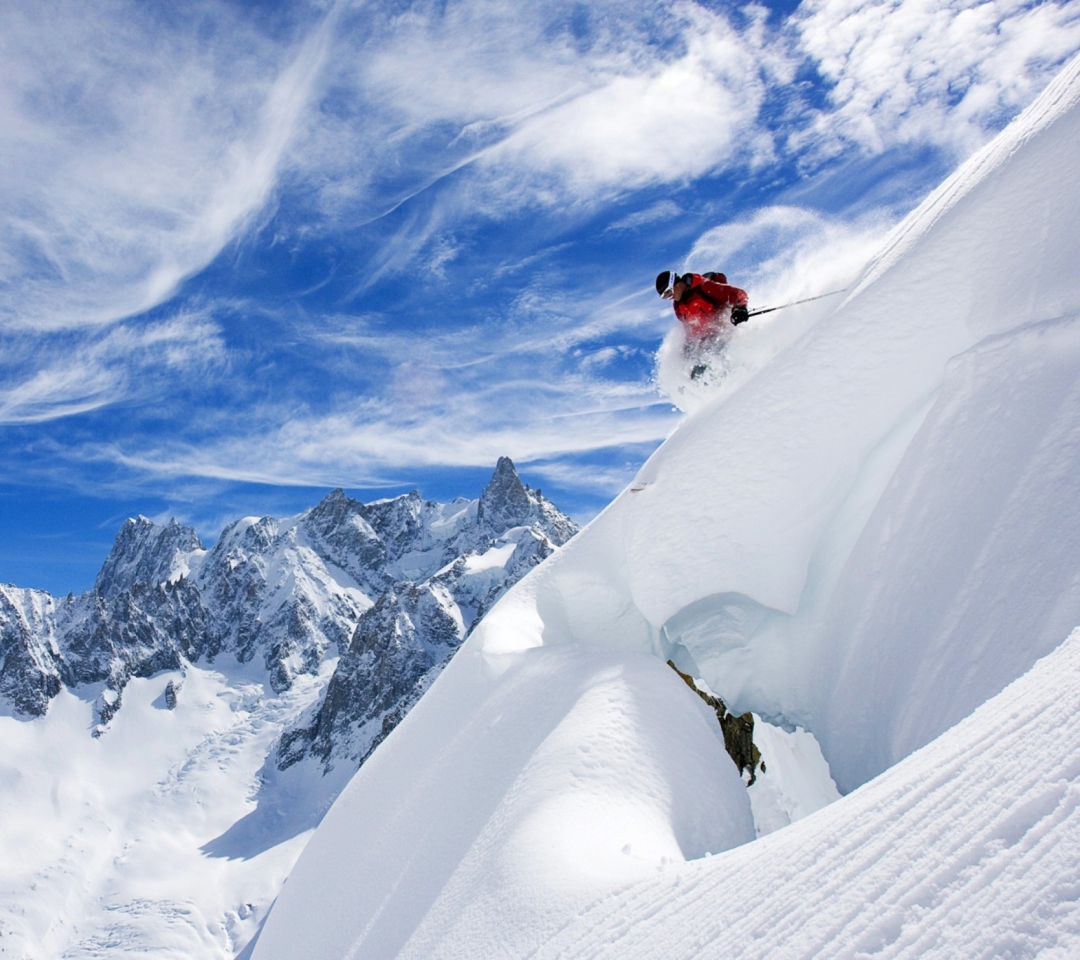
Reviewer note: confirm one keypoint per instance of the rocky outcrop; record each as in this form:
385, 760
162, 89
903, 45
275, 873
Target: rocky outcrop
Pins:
172, 694
738, 730
504, 503
340, 532
29, 659
145, 552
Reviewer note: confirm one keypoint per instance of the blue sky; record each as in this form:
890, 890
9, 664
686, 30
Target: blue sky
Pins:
250, 252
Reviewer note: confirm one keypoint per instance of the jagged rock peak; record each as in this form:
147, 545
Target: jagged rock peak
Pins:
144, 552
333, 511
505, 502
334, 502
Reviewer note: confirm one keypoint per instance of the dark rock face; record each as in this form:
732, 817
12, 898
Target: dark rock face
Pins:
738, 730
394, 586
29, 659
396, 645
172, 695
398, 524
144, 553
378, 671
340, 532
142, 631
504, 502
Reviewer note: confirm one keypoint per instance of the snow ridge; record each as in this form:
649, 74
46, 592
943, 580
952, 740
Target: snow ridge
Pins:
869, 537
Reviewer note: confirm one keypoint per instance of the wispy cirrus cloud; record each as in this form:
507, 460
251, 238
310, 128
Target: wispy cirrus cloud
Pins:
559, 102
784, 253
541, 103
559, 378
134, 143
657, 118
62, 374
381, 141
349, 449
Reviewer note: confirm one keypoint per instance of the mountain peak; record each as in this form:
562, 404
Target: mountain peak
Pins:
144, 552
505, 503
334, 507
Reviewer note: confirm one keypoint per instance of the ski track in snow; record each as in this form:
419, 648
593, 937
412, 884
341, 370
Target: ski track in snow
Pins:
968, 848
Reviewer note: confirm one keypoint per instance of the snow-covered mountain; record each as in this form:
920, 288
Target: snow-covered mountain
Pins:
200, 709
868, 535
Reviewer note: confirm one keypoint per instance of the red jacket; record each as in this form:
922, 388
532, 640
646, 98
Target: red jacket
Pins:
706, 305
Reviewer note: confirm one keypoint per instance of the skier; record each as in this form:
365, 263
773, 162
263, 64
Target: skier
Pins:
702, 302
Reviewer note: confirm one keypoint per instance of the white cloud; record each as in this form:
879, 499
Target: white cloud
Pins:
659, 121
780, 254
132, 148
354, 448
660, 212
52, 377
130, 155
463, 397
660, 92
946, 72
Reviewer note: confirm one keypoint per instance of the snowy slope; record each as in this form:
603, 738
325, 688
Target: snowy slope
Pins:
870, 535
108, 841
147, 805
968, 848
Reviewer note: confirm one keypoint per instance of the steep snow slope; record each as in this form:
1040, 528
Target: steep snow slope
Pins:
870, 536
968, 848
578, 773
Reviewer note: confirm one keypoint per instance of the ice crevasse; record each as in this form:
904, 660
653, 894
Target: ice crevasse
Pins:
871, 538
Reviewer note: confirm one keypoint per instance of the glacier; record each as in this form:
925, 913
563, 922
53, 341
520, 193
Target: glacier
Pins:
869, 533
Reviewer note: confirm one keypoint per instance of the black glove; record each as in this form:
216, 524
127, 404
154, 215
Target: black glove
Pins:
739, 315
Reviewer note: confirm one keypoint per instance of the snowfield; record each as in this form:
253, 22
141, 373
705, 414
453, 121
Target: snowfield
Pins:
871, 534
113, 837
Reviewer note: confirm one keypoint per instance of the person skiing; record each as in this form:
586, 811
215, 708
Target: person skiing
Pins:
702, 302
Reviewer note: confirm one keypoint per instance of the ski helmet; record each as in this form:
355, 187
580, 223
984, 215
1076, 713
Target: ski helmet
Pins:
663, 282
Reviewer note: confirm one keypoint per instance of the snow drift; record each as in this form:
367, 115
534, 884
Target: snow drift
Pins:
870, 537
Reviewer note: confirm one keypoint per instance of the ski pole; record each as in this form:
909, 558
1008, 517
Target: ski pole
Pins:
758, 313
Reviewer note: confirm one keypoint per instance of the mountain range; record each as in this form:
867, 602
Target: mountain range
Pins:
229, 692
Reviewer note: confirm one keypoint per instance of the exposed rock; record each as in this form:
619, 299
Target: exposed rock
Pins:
145, 553
738, 730
172, 693
394, 586
339, 532
105, 708
504, 502
29, 658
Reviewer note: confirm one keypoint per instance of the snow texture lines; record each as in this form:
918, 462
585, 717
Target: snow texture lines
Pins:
969, 847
